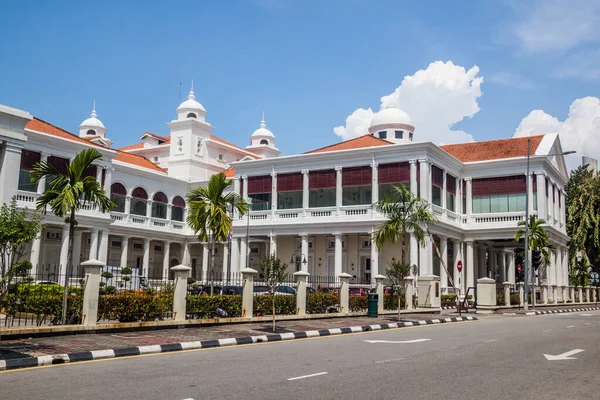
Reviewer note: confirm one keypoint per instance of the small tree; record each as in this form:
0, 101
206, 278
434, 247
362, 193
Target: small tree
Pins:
397, 273
274, 274
17, 229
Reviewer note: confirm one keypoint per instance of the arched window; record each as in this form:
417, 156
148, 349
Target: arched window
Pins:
177, 209
91, 132
139, 199
264, 141
118, 194
191, 115
159, 205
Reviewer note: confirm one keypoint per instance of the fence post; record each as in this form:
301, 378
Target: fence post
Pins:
91, 292
579, 294
248, 292
572, 293
506, 293
181, 274
486, 292
428, 291
594, 294
379, 290
554, 299
408, 296
563, 293
545, 294
587, 294
301, 277
345, 293
521, 293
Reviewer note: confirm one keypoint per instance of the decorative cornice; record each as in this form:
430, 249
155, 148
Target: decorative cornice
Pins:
305, 171
338, 168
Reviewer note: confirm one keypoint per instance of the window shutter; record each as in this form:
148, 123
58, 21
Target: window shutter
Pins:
29, 159
139, 193
437, 176
61, 164
117, 188
179, 202
90, 171
451, 184
393, 173
497, 186
289, 182
321, 179
259, 184
356, 176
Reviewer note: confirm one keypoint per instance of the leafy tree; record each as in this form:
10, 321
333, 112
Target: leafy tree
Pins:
579, 272
396, 274
273, 271
209, 211
67, 193
538, 238
405, 213
17, 230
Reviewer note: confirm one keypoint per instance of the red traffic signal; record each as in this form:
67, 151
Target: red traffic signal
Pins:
518, 268
459, 266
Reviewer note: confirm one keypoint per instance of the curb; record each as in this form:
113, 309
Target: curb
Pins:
568, 310
205, 344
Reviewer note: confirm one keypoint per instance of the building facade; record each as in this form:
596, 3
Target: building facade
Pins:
315, 207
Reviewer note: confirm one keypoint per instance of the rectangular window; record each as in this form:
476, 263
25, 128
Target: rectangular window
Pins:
357, 185
383, 135
450, 201
321, 198
390, 175
287, 200
177, 213
356, 195
259, 191
388, 190
61, 165
321, 186
28, 161
260, 201
437, 185
398, 134
436, 195
450, 192
119, 202
289, 191
498, 195
159, 210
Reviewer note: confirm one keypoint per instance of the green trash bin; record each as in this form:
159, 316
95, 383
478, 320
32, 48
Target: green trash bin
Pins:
373, 301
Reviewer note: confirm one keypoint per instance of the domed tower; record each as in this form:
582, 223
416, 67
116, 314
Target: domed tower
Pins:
93, 129
191, 108
392, 124
262, 142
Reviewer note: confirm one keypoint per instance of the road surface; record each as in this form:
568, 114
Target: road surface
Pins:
498, 357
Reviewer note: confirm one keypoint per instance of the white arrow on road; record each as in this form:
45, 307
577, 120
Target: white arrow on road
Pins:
563, 356
397, 341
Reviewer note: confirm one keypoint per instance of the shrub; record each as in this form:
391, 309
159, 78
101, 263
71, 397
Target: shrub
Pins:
499, 299
126, 271
514, 300
284, 305
320, 303
390, 302
358, 303
130, 306
203, 306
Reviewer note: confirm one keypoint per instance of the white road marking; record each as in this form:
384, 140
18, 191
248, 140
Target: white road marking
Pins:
547, 330
397, 341
586, 315
564, 356
571, 326
189, 398
388, 361
492, 340
307, 376
588, 323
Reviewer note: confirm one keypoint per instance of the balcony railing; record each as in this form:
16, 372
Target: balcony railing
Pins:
356, 210
499, 217
26, 199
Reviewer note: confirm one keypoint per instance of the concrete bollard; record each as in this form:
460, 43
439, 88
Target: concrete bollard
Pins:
554, 299
486, 292
564, 293
379, 290
507, 286
429, 291
408, 295
579, 294
572, 294
248, 292
544, 294
91, 292
595, 294
345, 292
181, 273
587, 294
521, 286
301, 277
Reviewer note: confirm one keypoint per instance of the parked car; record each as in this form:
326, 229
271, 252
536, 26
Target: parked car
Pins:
359, 291
229, 290
310, 290
281, 290
330, 290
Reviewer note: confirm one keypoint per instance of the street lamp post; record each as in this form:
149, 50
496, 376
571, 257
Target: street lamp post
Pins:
248, 233
298, 259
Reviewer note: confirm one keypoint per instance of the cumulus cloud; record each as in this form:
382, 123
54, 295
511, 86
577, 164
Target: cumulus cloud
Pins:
558, 24
435, 98
579, 132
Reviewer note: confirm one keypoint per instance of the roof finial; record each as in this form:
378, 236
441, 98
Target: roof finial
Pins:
191, 95
262, 122
94, 115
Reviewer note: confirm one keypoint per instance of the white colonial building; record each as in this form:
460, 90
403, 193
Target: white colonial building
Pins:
317, 206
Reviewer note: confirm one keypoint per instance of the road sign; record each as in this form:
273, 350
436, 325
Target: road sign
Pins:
595, 277
459, 266
518, 268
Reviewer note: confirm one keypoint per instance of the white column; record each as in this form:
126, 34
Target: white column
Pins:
149, 209
470, 267
273, 193
146, 259
124, 251
414, 251
10, 160
338, 255
76, 250
482, 267
374, 188
469, 201
541, 194
64, 253
503, 264
375, 259
444, 260
305, 190
511, 268
166, 259
243, 254
236, 190
456, 257
34, 257
42, 182
93, 244
304, 250
99, 174
549, 205
338, 188
530, 180
225, 247
169, 212
561, 276
103, 251
108, 180
413, 178
127, 205
425, 179
273, 245
493, 268
444, 191
245, 188
556, 210
425, 266
205, 256
459, 196
563, 214
235, 255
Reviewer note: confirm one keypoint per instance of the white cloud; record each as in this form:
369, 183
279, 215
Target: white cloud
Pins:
510, 79
435, 98
558, 24
579, 132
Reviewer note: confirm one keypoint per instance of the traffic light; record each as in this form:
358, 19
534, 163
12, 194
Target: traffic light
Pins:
536, 259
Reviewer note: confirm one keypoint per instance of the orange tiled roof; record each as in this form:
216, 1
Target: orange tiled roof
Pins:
229, 172
138, 160
42, 126
356, 143
493, 149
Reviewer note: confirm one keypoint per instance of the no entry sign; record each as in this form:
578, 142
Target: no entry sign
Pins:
459, 266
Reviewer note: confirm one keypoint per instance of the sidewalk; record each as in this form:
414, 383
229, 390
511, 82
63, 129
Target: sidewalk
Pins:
36, 347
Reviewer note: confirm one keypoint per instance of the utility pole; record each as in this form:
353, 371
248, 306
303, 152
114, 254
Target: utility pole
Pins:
526, 255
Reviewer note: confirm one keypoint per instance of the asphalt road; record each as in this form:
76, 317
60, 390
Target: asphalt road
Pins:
498, 357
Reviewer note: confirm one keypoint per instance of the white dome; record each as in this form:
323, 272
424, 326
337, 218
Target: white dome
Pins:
391, 115
262, 131
191, 104
92, 122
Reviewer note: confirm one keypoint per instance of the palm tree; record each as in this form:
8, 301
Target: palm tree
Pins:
405, 213
538, 238
66, 193
210, 208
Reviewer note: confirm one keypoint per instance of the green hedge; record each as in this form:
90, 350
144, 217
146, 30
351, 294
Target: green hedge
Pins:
358, 303
321, 303
390, 302
205, 306
284, 305
131, 306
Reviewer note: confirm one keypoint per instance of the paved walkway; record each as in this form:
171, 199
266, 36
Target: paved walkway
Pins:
35, 347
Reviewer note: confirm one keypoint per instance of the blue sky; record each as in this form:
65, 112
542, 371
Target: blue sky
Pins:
308, 65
